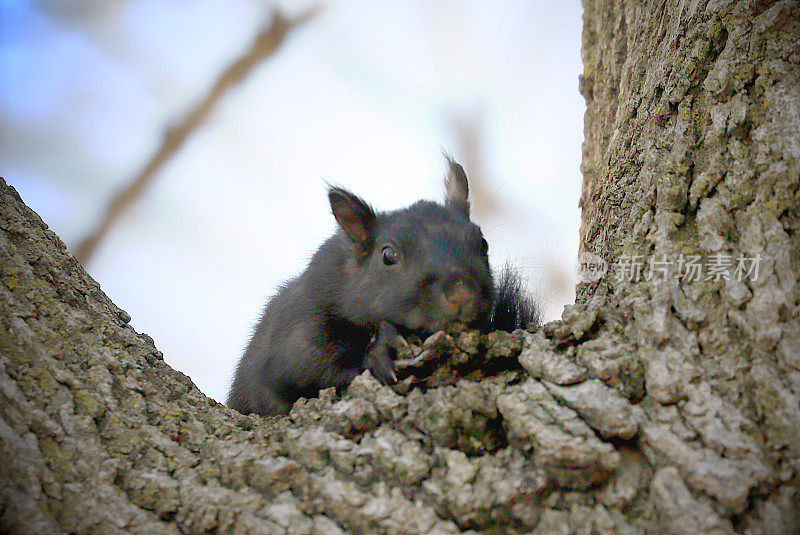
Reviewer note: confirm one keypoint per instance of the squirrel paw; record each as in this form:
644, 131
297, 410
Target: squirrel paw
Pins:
381, 367
378, 359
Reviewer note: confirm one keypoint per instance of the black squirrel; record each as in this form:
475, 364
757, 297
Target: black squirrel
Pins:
418, 269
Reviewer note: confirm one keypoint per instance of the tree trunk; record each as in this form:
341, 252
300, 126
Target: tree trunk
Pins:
666, 400
691, 150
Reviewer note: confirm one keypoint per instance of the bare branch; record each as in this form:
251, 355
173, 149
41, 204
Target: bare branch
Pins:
266, 43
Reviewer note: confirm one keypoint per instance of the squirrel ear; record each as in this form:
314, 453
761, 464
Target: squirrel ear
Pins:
456, 186
354, 215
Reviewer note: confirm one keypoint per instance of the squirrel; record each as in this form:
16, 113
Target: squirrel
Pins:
417, 269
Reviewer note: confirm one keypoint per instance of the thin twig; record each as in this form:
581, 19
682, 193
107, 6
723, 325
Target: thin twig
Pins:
265, 45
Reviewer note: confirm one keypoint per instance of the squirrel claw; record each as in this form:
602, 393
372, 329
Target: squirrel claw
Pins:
381, 367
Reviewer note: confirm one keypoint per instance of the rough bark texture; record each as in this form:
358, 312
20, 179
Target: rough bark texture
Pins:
693, 147
656, 406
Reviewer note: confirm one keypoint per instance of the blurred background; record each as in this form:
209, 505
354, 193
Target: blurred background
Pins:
217, 145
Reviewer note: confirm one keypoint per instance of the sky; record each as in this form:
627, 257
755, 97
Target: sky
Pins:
366, 95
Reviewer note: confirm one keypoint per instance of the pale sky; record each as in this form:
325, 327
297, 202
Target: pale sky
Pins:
366, 96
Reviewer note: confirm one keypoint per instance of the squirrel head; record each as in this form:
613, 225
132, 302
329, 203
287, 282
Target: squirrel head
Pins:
423, 267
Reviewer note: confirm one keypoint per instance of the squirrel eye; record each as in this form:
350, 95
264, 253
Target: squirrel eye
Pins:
389, 256
484, 246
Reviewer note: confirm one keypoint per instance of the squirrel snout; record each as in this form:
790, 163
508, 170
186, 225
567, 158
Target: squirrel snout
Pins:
462, 299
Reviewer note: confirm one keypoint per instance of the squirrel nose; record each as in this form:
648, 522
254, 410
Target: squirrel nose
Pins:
461, 296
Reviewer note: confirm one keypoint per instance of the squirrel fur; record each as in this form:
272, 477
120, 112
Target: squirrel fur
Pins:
416, 269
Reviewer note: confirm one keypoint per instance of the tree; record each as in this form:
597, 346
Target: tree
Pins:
665, 400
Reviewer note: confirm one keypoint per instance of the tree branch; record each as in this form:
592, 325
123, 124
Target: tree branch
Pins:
266, 43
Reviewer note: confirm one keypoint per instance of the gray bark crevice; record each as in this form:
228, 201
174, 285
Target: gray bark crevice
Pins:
653, 406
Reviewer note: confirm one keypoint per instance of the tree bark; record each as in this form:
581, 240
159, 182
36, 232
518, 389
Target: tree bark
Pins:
657, 404
692, 149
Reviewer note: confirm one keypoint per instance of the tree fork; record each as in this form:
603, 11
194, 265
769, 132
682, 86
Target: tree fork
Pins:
657, 404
